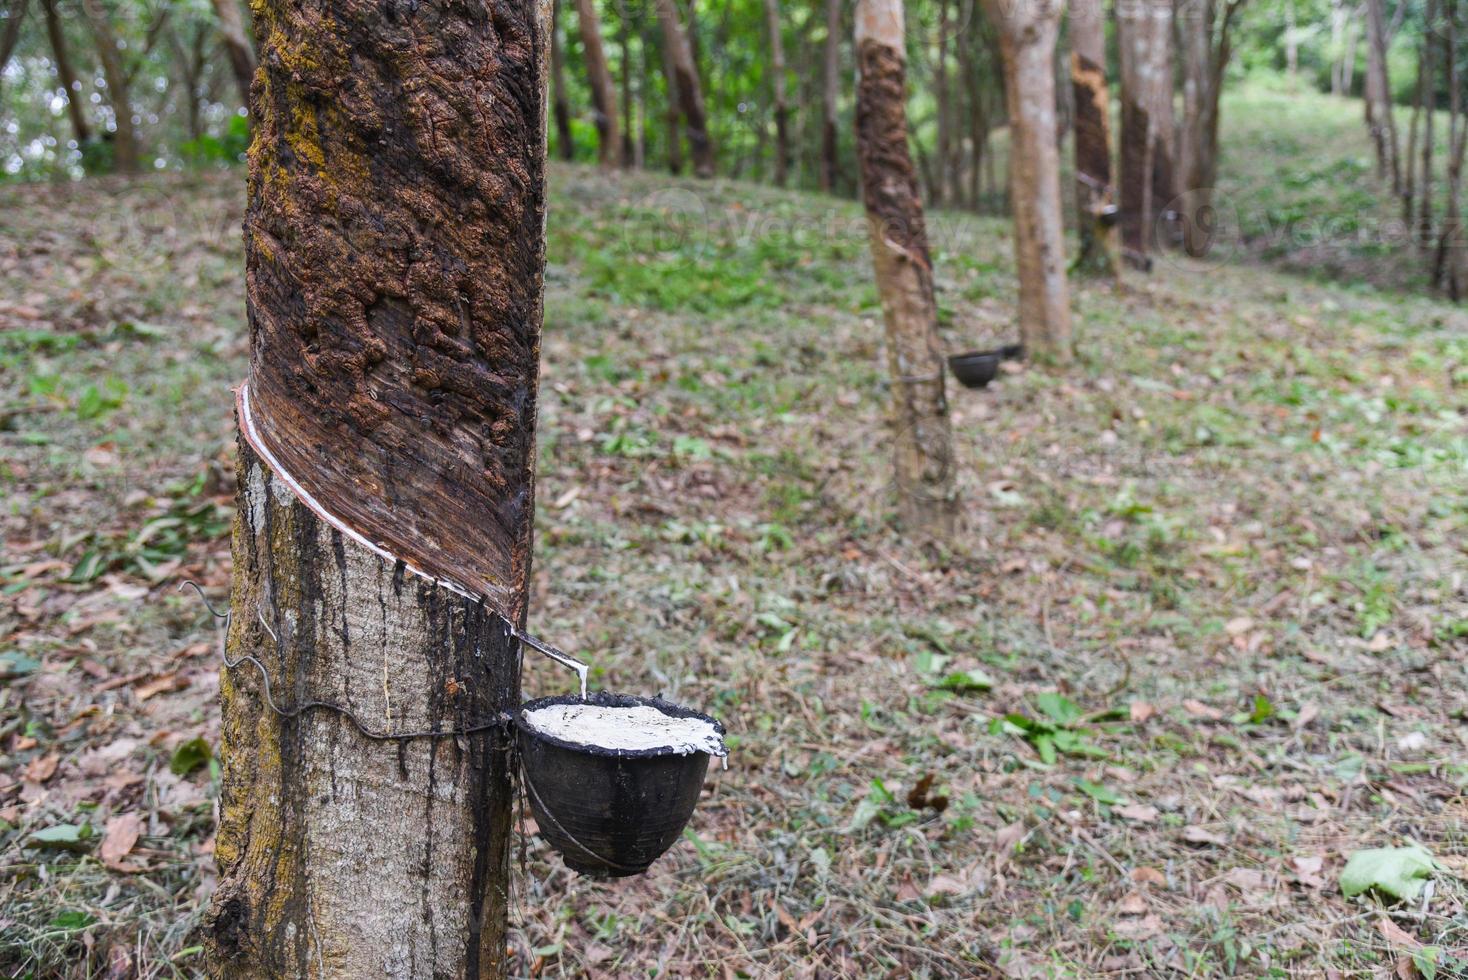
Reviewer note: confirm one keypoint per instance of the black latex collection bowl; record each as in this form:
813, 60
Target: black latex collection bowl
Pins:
609, 812
977, 368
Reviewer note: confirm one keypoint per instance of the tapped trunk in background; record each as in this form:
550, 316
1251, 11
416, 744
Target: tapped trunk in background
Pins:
124, 137
603, 98
394, 252
1027, 35
1147, 183
690, 90
237, 46
1095, 196
831, 87
1379, 97
904, 271
777, 71
1207, 45
561, 106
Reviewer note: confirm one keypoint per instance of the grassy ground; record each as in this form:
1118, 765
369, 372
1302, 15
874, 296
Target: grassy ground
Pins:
1202, 636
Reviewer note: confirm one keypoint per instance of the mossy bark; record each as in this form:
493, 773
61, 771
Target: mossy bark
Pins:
394, 259
904, 273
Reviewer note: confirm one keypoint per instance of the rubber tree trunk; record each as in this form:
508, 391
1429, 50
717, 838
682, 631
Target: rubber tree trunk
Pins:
1379, 97
124, 137
1205, 31
940, 190
1100, 250
64, 73
560, 103
237, 46
394, 249
1451, 273
629, 124
671, 115
927, 504
1027, 34
1144, 32
1429, 110
830, 92
599, 75
690, 90
782, 109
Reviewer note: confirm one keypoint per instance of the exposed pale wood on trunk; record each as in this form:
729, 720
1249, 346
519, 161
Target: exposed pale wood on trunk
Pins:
599, 76
777, 74
1100, 248
124, 137
904, 273
690, 90
394, 255
237, 46
64, 73
1027, 35
830, 90
1147, 183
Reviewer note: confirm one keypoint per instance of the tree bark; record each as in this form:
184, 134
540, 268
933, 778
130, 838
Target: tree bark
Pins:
125, 157
1429, 107
1027, 35
1451, 273
1095, 198
1148, 183
64, 73
831, 87
782, 110
671, 116
904, 273
394, 243
690, 91
942, 100
629, 126
1379, 97
237, 46
1207, 42
560, 103
603, 98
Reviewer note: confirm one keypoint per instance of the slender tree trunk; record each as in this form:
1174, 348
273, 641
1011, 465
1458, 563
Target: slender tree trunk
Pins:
560, 104
10, 33
974, 104
831, 87
1429, 107
782, 110
124, 142
942, 99
237, 46
624, 41
904, 272
394, 255
1027, 34
64, 73
1379, 97
1452, 265
690, 91
671, 115
603, 99
1409, 173
1095, 197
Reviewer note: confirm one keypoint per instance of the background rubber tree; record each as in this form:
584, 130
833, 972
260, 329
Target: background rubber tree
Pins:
394, 243
1205, 30
237, 45
1147, 181
1100, 250
927, 502
1027, 33
599, 76
690, 90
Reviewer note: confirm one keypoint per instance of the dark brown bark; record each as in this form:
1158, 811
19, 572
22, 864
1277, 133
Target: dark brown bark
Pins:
941, 189
603, 99
1207, 43
560, 104
1451, 273
904, 272
830, 89
189, 60
690, 90
1429, 107
124, 137
10, 34
1095, 197
237, 46
1147, 181
1379, 97
64, 73
777, 74
670, 113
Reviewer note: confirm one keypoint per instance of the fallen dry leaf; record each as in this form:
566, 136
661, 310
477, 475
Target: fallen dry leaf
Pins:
1198, 709
1133, 903
1396, 935
1149, 876
1138, 929
1142, 710
1198, 835
159, 685
1137, 812
41, 768
1308, 712
117, 842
